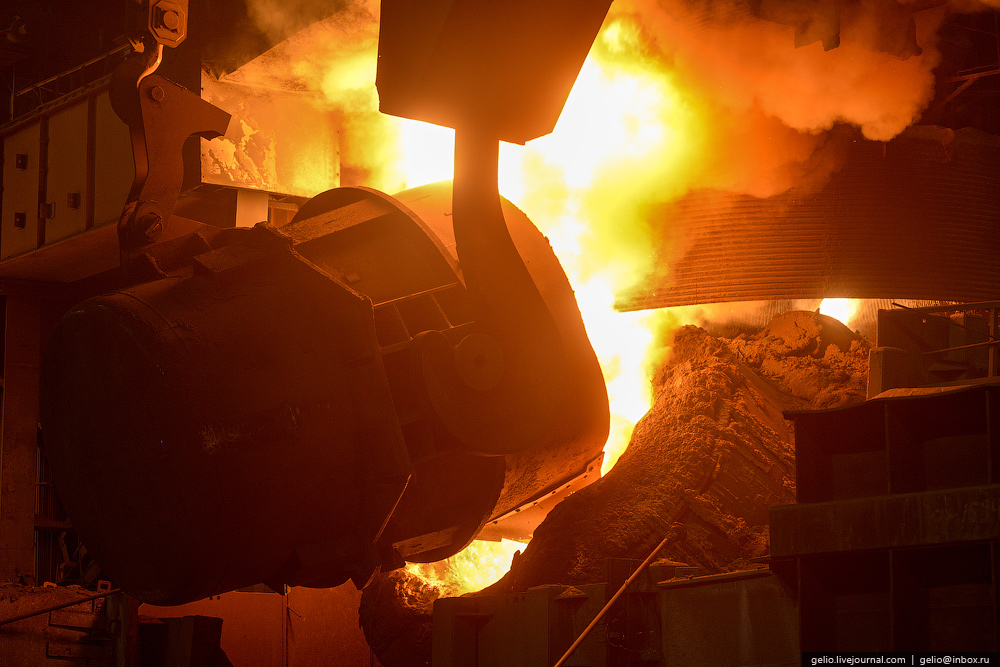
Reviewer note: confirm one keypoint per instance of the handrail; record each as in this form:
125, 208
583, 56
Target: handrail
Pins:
56, 97
56, 607
104, 56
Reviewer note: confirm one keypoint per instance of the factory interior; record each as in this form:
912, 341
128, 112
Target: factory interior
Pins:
596, 333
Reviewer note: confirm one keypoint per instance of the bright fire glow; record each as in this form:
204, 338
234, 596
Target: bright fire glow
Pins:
426, 152
472, 569
625, 135
844, 310
627, 140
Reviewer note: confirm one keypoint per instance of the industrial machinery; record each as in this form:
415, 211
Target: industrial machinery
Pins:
368, 384
891, 545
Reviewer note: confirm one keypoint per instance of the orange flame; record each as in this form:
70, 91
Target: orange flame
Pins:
626, 140
472, 569
625, 133
632, 137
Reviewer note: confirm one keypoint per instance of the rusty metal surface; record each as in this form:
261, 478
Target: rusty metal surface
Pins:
914, 218
166, 21
367, 240
893, 544
260, 630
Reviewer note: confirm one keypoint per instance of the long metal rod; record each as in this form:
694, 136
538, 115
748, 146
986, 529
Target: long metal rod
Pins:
56, 607
671, 536
42, 84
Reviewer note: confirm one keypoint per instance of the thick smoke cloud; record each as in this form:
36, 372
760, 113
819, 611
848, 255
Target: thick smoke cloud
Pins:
878, 73
771, 77
775, 76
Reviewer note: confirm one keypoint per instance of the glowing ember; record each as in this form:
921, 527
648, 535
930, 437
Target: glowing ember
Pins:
472, 569
844, 310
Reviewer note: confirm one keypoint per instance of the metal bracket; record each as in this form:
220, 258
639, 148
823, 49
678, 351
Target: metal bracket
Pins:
161, 115
166, 21
161, 21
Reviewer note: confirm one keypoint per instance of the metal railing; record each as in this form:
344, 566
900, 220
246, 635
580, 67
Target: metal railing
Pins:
51, 90
61, 605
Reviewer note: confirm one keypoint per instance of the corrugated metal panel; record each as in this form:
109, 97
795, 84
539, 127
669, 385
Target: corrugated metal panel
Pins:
913, 219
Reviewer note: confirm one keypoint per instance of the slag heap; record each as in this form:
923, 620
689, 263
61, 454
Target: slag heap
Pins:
714, 454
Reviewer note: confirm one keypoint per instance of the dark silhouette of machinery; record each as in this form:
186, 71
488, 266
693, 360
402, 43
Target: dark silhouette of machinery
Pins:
369, 384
